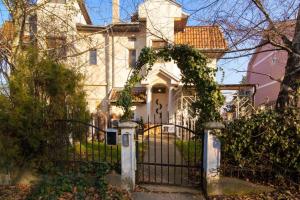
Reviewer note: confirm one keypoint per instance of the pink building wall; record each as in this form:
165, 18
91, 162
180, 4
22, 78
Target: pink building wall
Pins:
271, 63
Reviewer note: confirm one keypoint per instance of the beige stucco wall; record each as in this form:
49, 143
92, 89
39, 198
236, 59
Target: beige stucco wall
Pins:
160, 16
112, 68
95, 76
122, 45
140, 112
58, 19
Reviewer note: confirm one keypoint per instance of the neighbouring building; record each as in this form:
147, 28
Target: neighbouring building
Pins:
106, 54
269, 62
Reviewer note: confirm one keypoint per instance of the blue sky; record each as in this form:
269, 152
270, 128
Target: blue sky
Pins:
100, 12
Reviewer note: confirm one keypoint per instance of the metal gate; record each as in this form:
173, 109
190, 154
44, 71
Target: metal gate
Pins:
169, 153
77, 143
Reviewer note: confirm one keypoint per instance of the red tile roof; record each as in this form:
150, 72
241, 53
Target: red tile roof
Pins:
202, 37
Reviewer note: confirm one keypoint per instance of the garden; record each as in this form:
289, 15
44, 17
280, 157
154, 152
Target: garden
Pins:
42, 91
263, 148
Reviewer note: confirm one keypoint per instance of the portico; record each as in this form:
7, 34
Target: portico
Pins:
160, 102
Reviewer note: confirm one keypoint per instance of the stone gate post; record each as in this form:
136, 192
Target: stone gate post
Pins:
212, 152
128, 154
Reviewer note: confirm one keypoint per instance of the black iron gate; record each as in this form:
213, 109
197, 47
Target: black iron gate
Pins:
170, 153
77, 142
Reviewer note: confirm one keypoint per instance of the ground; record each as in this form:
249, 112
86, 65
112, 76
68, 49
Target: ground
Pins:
158, 192
20, 192
164, 196
160, 150
165, 161
228, 189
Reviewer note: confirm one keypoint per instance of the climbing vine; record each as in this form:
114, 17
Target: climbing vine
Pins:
195, 74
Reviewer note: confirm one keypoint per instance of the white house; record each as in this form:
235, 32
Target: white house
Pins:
106, 54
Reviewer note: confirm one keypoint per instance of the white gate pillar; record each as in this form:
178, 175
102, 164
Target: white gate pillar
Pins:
128, 154
212, 152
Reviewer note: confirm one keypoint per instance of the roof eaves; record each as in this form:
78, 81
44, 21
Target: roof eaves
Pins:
85, 27
169, 74
175, 2
84, 12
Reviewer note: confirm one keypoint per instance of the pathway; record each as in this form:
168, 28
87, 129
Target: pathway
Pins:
163, 152
155, 192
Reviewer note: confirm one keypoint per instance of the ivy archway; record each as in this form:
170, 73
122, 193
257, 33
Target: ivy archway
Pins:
195, 73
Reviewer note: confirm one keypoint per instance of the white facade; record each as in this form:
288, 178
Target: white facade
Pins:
155, 21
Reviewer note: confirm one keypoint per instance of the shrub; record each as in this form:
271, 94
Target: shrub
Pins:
40, 91
270, 139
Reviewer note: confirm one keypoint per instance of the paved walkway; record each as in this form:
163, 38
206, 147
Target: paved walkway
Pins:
162, 151
154, 192
164, 196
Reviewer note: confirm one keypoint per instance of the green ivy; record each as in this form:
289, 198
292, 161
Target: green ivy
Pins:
84, 183
195, 73
270, 140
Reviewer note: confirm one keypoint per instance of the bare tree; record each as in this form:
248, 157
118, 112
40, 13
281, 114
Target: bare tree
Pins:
251, 24
244, 22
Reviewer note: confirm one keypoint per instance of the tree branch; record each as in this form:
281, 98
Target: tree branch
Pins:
260, 6
259, 73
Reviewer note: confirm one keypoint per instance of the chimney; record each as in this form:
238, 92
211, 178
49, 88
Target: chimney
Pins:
115, 11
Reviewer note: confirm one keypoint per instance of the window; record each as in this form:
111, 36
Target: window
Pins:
57, 47
93, 57
159, 90
132, 39
274, 60
132, 58
31, 25
58, 1
159, 44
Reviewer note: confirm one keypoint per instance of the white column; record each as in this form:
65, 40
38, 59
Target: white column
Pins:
212, 152
170, 102
149, 100
128, 155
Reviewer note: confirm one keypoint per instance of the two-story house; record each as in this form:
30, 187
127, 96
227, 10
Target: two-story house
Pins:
106, 54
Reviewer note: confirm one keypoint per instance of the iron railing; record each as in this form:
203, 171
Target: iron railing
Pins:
76, 142
169, 157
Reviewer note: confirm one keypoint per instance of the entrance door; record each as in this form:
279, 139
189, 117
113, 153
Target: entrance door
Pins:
160, 107
159, 104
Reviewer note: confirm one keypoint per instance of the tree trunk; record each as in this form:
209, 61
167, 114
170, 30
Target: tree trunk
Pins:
289, 90
290, 86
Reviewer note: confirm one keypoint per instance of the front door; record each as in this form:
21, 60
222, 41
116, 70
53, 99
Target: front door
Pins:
160, 107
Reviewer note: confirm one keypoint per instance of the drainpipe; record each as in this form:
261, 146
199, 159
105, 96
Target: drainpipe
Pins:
108, 73
107, 63
113, 59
